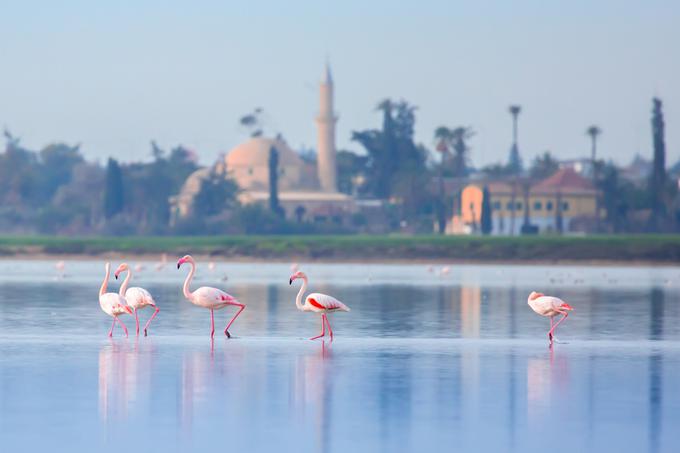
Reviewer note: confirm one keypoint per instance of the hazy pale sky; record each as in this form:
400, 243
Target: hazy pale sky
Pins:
115, 76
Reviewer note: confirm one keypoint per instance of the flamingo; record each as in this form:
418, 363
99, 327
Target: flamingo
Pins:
113, 304
211, 266
207, 297
136, 297
549, 306
318, 303
60, 266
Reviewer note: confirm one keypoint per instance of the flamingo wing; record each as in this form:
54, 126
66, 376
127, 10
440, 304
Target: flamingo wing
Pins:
138, 297
546, 305
209, 297
113, 304
325, 302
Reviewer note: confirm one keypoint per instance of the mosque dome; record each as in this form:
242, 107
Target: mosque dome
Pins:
183, 201
248, 164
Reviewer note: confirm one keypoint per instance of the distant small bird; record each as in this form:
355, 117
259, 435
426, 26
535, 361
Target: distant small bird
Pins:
139, 267
211, 266
161, 264
294, 267
317, 303
136, 297
445, 271
60, 266
549, 306
113, 304
207, 297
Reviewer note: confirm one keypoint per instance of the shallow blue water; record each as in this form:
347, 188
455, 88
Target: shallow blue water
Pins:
422, 362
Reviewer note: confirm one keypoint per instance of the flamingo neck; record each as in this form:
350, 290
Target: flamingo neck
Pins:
187, 282
102, 289
298, 299
126, 282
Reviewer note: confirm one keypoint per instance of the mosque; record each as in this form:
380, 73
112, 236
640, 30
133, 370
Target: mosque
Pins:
306, 190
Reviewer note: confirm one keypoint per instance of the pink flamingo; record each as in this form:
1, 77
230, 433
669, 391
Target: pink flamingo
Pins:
113, 304
136, 297
207, 297
551, 307
318, 303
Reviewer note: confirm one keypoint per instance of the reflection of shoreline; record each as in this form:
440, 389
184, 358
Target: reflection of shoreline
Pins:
470, 311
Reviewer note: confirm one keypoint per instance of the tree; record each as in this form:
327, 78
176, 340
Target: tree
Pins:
58, 161
658, 180
351, 167
543, 166
397, 165
594, 132
615, 196
391, 150
496, 171
274, 182
515, 161
217, 194
113, 190
452, 144
486, 220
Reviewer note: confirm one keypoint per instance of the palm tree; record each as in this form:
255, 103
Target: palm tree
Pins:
515, 162
448, 140
442, 136
593, 131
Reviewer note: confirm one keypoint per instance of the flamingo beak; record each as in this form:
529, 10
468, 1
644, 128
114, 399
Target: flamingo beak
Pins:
290, 282
116, 275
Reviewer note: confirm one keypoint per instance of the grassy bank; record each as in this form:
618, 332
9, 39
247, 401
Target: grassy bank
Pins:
652, 248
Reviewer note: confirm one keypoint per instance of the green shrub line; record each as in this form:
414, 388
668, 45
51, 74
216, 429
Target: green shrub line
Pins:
656, 248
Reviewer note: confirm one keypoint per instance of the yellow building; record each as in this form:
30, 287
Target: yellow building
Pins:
565, 197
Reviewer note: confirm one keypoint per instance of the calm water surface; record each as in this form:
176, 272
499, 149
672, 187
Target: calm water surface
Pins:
422, 362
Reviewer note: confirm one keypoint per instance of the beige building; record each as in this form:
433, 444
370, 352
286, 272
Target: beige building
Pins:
307, 188
565, 197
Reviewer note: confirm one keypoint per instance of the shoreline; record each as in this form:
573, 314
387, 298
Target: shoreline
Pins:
631, 250
155, 257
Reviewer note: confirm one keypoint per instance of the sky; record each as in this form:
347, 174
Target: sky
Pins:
115, 76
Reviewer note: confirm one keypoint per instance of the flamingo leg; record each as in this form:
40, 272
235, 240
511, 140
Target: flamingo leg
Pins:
226, 329
212, 323
551, 334
137, 321
122, 325
330, 331
323, 328
112, 326
151, 318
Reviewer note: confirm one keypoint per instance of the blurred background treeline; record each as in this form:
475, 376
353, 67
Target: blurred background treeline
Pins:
397, 185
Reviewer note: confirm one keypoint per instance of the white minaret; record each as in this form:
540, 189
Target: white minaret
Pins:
325, 124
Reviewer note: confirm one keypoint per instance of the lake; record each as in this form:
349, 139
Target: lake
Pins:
425, 361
